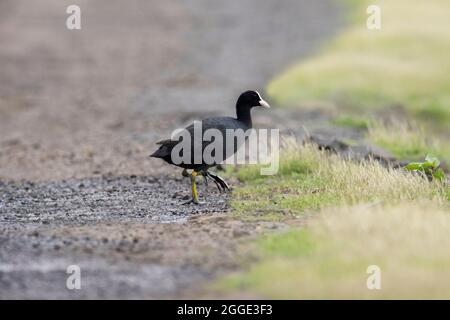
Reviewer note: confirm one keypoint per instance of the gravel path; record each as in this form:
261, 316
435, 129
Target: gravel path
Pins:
79, 113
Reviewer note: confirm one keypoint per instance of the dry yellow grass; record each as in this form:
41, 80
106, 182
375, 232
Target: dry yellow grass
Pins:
312, 179
385, 217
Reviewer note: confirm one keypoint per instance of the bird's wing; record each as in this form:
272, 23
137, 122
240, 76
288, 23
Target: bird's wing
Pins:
165, 141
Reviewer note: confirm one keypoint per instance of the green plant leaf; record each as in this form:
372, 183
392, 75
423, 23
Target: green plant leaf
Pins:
439, 174
433, 160
428, 165
412, 166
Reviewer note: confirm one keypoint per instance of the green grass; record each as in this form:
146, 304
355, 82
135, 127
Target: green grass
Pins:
405, 63
329, 259
360, 123
359, 214
408, 143
310, 179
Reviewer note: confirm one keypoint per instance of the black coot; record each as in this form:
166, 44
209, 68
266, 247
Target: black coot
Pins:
243, 120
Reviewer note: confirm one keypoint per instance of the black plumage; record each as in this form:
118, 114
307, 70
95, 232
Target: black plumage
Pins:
243, 121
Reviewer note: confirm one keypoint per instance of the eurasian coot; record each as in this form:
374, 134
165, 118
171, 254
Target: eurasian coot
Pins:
243, 121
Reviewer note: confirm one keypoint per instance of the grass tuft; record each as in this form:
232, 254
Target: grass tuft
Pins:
408, 142
351, 122
312, 179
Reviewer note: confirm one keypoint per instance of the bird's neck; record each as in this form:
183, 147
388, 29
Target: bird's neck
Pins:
244, 115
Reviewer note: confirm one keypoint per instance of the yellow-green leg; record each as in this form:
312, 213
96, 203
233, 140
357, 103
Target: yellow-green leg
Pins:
194, 189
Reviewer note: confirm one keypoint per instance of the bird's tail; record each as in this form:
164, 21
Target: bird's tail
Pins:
160, 153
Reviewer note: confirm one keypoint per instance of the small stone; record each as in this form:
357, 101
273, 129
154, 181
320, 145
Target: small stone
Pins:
237, 233
329, 143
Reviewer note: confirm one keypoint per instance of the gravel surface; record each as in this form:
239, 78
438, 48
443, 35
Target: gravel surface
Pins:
80, 112
141, 199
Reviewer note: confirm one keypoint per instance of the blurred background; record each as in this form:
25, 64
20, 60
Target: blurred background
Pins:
80, 111
77, 103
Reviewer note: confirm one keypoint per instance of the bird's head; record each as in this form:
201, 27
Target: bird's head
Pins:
252, 99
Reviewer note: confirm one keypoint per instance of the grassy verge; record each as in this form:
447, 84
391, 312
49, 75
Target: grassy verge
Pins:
390, 218
408, 142
329, 259
309, 179
405, 140
405, 63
